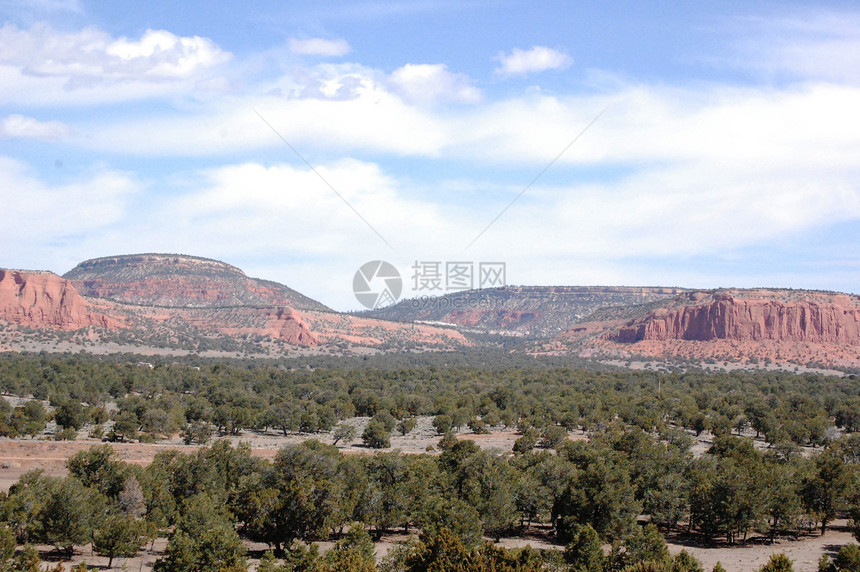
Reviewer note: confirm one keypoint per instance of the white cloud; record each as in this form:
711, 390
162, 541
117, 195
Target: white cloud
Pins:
288, 217
44, 219
667, 172
537, 59
433, 82
42, 65
810, 45
371, 121
20, 126
319, 47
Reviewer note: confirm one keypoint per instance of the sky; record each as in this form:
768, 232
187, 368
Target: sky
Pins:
691, 144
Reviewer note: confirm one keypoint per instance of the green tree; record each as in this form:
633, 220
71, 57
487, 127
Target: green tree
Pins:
197, 432
602, 496
848, 559
56, 511
823, 490
343, 432
777, 563
406, 425
528, 441
125, 425
30, 419
204, 539
119, 535
455, 516
99, 467
386, 503
552, 436
309, 489
646, 544
8, 544
376, 435
353, 552
442, 423
686, 562
584, 553
70, 415
442, 551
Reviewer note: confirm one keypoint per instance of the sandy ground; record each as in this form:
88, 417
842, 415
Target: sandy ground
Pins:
742, 558
18, 456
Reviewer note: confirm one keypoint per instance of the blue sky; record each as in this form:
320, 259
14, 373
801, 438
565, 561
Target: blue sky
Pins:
727, 152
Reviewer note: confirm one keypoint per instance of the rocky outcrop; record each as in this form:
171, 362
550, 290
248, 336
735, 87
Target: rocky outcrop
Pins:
742, 316
276, 323
180, 281
44, 300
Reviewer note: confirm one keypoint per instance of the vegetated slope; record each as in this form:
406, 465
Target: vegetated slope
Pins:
791, 325
45, 309
175, 280
527, 311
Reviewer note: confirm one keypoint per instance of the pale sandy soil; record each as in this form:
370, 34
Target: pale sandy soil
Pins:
805, 552
725, 366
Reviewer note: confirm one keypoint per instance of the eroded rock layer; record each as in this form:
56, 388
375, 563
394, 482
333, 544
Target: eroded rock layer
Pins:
44, 300
754, 315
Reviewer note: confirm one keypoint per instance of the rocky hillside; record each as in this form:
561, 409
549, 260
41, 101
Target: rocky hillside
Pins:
526, 311
187, 304
180, 281
795, 325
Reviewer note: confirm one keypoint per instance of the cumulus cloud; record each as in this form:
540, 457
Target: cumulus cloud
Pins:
20, 126
319, 47
41, 59
433, 82
537, 59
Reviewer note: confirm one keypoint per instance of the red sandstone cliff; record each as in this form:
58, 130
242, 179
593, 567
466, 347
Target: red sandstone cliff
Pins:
277, 323
755, 326
44, 300
751, 316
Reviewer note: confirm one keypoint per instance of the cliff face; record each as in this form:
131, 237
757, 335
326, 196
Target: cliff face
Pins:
753, 316
180, 281
44, 300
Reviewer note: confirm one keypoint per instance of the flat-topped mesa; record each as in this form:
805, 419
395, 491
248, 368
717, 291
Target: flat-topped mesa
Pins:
180, 281
137, 264
45, 300
751, 315
528, 311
